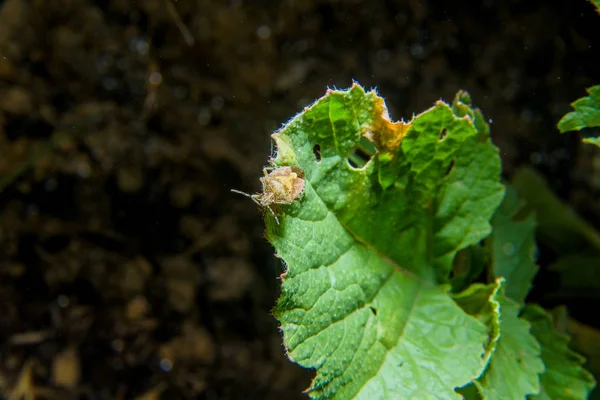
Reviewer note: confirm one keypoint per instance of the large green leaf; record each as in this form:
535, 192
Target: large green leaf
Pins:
512, 246
586, 114
564, 378
368, 250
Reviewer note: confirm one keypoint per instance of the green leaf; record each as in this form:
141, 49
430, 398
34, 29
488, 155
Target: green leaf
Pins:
470, 392
513, 371
586, 340
592, 140
558, 226
367, 248
512, 246
596, 3
586, 114
483, 302
512, 352
565, 378
462, 107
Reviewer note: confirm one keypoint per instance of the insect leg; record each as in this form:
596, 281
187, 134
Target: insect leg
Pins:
267, 170
273, 151
273, 214
255, 197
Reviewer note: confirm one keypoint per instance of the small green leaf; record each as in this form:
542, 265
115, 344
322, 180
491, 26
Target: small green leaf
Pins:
512, 246
369, 247
585, 339
462, 107
596, 3
558, 226
586, 114
592, 140
564, 378
513, 371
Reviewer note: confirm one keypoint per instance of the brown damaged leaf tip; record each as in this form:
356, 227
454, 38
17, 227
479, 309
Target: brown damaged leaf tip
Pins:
280, 185
386, 134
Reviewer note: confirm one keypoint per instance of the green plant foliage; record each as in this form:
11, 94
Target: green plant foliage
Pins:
468, 265
586, 114
575, 242
564, 377
372, 242
361, 301
516, 353
513, 371
512, 246
483, 302
584, 339
558, 226
596, 3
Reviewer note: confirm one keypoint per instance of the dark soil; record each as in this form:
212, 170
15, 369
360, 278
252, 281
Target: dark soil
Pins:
127, 267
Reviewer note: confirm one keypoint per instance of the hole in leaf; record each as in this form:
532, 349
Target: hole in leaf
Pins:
358, 159
373, 310
450, 167
362, 154
443, 134
317, 152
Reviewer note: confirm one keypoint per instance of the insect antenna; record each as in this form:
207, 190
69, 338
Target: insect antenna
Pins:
252, 196
254, 199
242, 193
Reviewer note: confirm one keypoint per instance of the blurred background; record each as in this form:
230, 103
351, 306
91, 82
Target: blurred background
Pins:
127, 268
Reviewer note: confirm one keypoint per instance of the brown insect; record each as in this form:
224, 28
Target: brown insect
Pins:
279, 186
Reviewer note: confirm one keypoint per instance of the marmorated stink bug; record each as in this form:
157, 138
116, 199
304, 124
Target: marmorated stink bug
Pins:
279, 186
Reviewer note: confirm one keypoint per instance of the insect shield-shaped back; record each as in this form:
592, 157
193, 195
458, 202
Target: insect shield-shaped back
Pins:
280, 185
